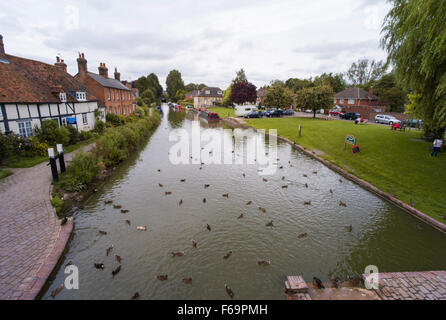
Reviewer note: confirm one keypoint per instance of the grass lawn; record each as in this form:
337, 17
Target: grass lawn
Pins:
395, 162
223, 112
4, 173
27, 162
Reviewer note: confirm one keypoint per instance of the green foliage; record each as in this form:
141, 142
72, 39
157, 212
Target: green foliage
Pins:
82, 168
57, 203
99, 126
278, 96
112, 146
150, 82
174, 82
139, 111
4, 173
415, 39
365, 71
6, 147
240, 77
315, 98
296, 84
73, 135
47, 132
147, 96
336, 81
227, 96
180, 95
114, 119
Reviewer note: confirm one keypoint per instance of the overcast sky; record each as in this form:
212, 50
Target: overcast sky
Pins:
207, 41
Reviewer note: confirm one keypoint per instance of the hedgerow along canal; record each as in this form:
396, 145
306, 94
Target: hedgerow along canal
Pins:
381, 234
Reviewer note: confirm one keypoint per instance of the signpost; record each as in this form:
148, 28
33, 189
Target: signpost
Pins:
351, 140
53, 164
300, 130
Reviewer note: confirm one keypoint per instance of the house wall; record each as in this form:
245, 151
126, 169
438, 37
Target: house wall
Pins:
358, 102
206, 102
11, 114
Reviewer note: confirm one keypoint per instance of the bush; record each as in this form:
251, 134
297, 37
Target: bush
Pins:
112, 147
62, 136
86, 135
83, 168
57, 203
99, 126
6, 147
47, 132
114, 119
38, 148
73, 134
139, 111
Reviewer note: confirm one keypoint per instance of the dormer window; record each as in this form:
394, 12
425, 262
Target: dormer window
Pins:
63, 97
81, 96
208, 91
219, 92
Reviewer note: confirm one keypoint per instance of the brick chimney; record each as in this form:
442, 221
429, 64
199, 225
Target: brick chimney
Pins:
371, 92
117, 75
82, 64
103, 71
2, 46
61, 64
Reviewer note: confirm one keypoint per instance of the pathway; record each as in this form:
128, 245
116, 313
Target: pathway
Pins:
29, 231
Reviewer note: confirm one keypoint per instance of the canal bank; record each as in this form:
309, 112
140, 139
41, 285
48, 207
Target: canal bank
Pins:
411, 210
168, 199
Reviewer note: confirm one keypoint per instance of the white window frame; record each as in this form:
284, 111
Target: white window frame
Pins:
63, 97
109, 94
341, 101
25, 129
351, 101
81, 96
84, 119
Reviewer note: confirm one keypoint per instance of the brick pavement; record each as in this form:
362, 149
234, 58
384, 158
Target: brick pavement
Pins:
430, 285
29, 231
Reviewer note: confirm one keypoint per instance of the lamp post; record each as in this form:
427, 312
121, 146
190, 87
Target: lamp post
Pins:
53, 164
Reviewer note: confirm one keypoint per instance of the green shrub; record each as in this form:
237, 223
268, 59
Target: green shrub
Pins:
38, 148
83, 167
114, 119
57, 203
99, 126
112, 147
6, 147
47, 132
73, 134
86, 135
62, 136
139, 111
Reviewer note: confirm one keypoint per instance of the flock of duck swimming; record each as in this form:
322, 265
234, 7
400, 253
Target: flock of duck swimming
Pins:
163, 277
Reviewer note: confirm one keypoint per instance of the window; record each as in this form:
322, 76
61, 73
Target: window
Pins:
85, 119
334, 101
81, 96
117, 94
63, 97
25, 129
207, 92
109, 94
351, 101
114, 95
342, 101
219, 92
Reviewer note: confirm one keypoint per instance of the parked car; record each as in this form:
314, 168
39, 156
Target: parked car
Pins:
288, 112
253, 114
413, 123
349, 115
382, 118
274, 113
335, 112
309, 111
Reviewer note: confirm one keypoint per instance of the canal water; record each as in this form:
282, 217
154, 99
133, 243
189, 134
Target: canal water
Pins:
381, 234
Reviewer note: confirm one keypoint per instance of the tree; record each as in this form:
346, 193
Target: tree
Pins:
150, 82
278, 96
147, 97
174, 82
336, 81
365, 71
391, 93
241, 77
227, 96
180, 94
193, 86
415, 39
315, 98
242, 92
296, 84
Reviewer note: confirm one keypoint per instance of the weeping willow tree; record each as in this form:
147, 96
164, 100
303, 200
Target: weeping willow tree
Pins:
414, 36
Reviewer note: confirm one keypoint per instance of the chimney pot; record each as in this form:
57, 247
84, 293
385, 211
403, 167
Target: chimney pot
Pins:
2, 46
371, 92
82, 64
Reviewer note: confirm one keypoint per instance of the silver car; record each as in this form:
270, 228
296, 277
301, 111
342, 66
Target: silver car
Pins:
382, 118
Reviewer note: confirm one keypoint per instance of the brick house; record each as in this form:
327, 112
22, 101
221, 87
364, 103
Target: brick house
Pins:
360, 101
208, 97
113, 96
192, 94
33, 91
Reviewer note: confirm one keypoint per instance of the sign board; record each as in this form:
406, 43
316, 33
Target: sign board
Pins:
350, 139
355, 148
300, 130
71, 120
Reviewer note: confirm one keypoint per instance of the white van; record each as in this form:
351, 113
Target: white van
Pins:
241, 110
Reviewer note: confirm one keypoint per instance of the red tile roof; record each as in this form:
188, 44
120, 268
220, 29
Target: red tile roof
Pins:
30, 81
354, 93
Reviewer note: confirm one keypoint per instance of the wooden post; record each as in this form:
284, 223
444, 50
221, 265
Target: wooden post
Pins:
53, 164
61, 158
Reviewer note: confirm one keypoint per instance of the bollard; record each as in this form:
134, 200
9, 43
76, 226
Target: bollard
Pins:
53, 164
61, 158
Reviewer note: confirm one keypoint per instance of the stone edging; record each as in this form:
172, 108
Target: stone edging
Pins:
413, 211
